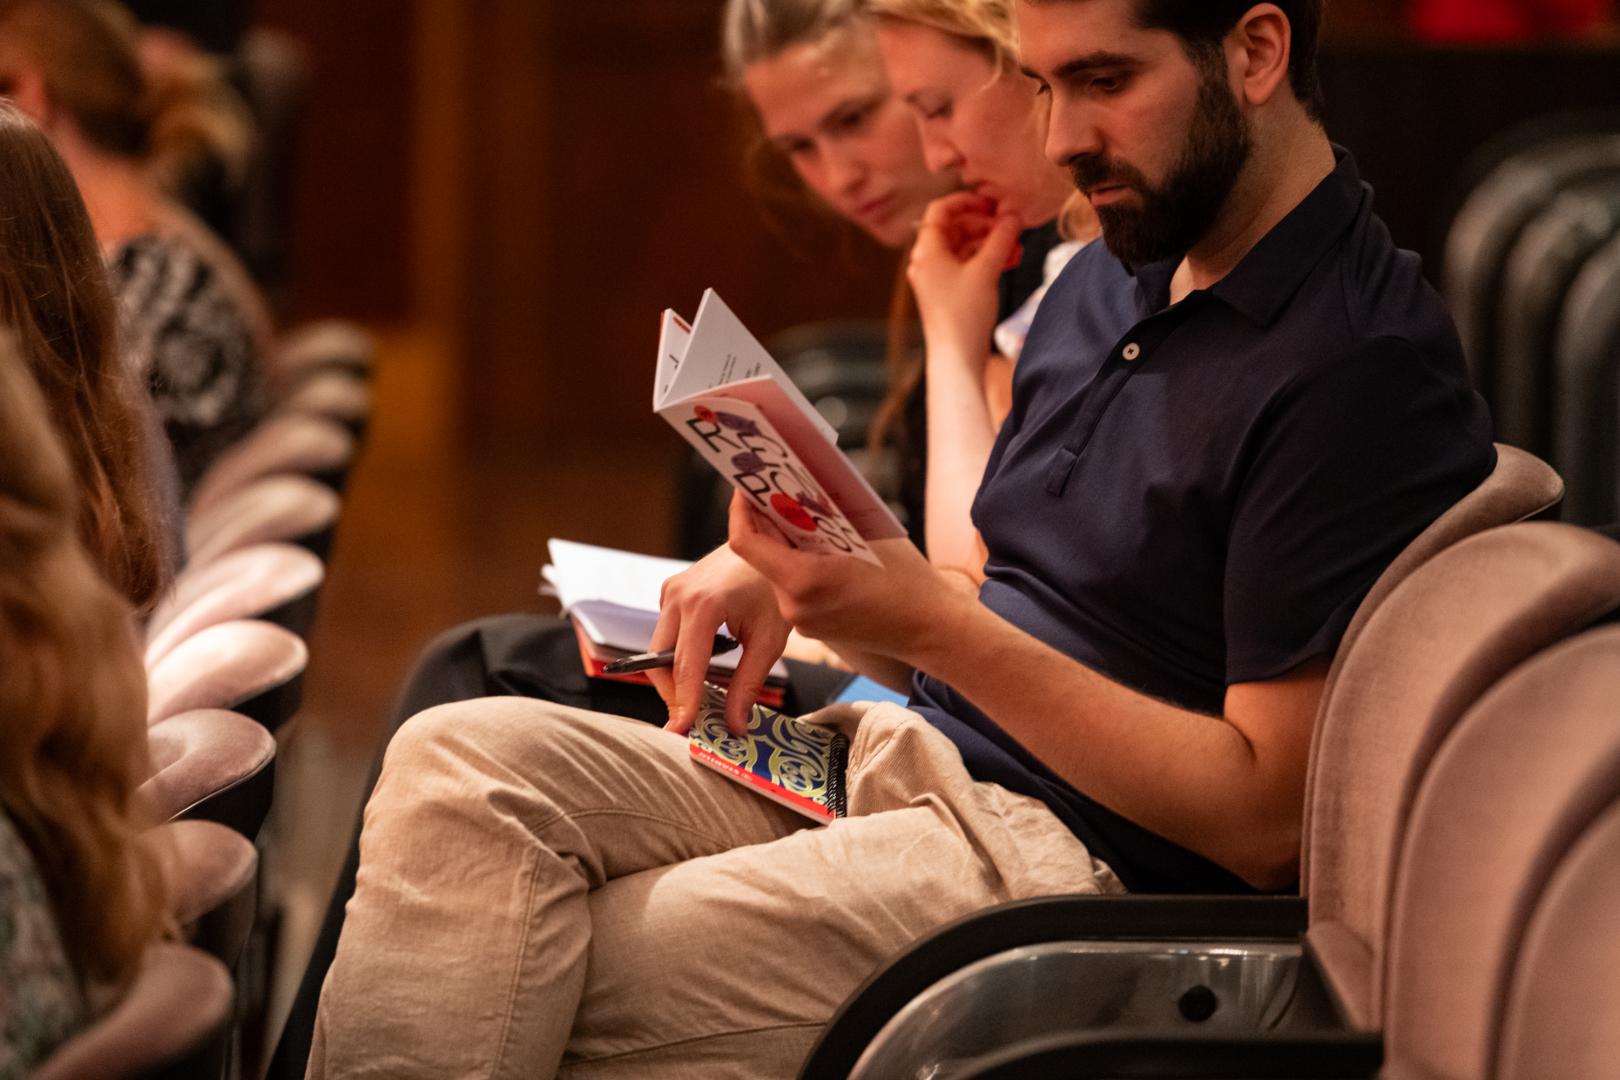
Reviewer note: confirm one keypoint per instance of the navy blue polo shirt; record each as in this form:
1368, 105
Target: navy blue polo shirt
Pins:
1185, 497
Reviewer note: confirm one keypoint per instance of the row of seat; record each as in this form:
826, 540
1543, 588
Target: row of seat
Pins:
1464, 790
225, 656
1532, 275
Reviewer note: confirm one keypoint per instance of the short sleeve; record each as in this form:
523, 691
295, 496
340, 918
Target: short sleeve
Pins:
1348, 464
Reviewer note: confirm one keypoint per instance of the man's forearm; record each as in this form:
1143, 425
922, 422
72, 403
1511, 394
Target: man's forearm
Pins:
1194, 779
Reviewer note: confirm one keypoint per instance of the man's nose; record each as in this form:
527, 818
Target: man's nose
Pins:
1071, 132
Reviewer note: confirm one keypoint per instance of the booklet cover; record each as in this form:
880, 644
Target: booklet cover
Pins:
802, 766
719, 388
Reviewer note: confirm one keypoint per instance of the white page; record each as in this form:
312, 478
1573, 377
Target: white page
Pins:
587, 572
720, 351
673, 339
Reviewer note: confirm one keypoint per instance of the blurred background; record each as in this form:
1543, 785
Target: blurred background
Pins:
509, 192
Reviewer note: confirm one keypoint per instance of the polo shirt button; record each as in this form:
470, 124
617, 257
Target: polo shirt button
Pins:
1132, 351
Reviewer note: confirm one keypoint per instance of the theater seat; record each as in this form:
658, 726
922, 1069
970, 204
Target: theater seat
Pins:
211, 765
336, 395
290, 509
1540, 268
1523, 777
212, 874
277, 583
295, 443
172, 1023
1563, 1012
251, 667
1441, 638
1491, 221
1586, 391
1519, 781
321, 346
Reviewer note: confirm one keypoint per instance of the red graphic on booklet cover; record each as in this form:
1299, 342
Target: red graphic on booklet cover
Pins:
791, 512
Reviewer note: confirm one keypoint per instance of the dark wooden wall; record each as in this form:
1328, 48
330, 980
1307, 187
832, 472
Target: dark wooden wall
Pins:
610, 187
352, 244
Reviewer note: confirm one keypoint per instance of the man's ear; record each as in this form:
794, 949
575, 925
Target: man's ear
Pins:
1258, 50
25, 86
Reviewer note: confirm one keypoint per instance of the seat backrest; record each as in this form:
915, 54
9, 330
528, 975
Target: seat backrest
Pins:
294, 509
324, 345
1455, 626
172, 1022
211, 765
295, 443
212, 877
1491, 219
1562, 1020
1540, 267
1520, 487
1518, 780
274, 582
1587, 390
226, 666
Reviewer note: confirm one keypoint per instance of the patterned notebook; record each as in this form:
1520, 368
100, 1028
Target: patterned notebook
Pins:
800, 765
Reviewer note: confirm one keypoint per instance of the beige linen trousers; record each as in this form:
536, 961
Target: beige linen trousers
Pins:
544, 892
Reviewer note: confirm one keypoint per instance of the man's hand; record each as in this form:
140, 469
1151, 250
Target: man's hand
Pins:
720, 588
884, 610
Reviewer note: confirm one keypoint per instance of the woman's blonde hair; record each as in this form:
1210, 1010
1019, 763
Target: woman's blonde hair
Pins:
755, 30
72, 699
56, 299
986, 23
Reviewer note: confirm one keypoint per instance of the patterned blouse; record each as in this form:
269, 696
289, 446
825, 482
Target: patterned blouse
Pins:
41, 1002
187, 331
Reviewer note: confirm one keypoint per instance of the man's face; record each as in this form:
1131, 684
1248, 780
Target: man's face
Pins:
1155, 141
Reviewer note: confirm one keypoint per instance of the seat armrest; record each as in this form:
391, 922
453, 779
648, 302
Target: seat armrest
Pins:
1210, 919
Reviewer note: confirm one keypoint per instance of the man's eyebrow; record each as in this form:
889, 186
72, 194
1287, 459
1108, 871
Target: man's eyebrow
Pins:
1080, 65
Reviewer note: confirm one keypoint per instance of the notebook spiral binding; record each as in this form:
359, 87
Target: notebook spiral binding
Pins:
837, 769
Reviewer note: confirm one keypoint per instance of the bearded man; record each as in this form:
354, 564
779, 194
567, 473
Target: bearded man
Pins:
1226, 422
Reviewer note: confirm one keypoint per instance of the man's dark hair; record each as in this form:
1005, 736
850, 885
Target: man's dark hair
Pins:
1203, 24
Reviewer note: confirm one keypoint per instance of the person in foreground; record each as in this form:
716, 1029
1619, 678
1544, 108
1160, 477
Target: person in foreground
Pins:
81, 896
1226, 421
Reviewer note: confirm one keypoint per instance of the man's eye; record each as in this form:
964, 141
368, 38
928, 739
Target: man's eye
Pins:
1108, 84
941, 111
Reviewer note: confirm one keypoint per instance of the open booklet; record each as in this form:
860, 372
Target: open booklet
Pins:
802, 766
611, 597
723, 392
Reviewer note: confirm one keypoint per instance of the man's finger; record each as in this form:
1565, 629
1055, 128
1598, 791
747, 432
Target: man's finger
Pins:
692, 655
664, 636
752, 670
755, 541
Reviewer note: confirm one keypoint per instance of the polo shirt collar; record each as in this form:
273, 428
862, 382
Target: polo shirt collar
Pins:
1261, 285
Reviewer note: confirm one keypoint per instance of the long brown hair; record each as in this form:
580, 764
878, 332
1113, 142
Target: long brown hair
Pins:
56, 300
72, 698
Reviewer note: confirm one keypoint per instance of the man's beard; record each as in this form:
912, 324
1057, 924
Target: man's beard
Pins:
1170, 219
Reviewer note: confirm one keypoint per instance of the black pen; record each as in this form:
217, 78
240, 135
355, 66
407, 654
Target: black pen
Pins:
647, 660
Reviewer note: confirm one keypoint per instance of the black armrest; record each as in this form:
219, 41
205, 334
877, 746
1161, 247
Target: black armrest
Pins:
1114, 1056
1031, 922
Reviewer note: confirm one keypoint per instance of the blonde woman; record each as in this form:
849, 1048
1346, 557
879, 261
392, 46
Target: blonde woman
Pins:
954, 62
80, 898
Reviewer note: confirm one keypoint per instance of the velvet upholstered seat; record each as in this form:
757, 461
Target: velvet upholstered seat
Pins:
171, 1024
277, 583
